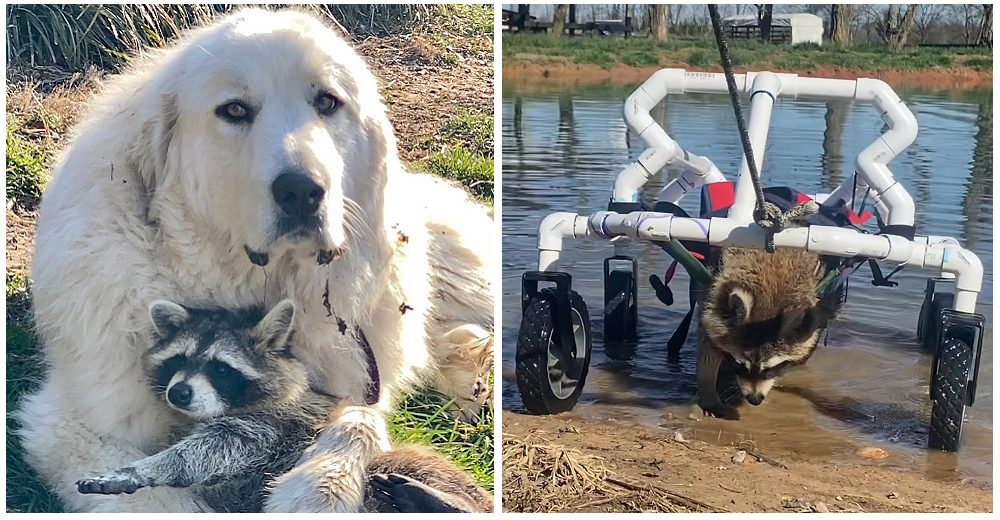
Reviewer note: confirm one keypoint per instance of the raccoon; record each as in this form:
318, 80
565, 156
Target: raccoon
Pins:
234, 373
760, 317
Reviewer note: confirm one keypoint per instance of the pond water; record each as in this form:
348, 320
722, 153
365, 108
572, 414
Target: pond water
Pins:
868, 385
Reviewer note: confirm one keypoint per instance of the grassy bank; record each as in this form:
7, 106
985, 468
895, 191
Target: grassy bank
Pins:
702, 52
449, 47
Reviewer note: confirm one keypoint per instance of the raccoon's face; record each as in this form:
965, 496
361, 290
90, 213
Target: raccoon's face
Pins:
762, 340
208, 363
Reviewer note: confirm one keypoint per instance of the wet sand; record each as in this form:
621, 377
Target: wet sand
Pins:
613, 466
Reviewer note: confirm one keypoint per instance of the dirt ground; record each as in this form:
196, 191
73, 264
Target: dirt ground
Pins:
423, 88
559, 72
559, 464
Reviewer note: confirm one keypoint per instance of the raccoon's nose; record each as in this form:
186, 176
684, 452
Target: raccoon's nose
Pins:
179, 395
296, 194
755, 399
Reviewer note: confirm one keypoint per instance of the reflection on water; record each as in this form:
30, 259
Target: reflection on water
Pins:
869, 384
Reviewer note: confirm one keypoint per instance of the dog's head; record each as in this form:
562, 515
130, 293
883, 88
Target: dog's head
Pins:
274, 132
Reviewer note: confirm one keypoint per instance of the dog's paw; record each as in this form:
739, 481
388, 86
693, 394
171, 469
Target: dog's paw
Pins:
111, 484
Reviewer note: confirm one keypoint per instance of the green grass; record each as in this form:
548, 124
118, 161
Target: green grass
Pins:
472, 170
701, 51
422, 419
475, 130
472, 20
27, 166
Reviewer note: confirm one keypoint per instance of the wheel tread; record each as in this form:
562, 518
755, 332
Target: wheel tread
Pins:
531, 365
948, 410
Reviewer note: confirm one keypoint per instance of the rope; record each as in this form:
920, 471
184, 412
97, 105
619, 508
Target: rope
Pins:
766, 215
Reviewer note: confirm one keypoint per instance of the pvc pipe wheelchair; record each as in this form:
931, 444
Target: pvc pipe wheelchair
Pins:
947, 326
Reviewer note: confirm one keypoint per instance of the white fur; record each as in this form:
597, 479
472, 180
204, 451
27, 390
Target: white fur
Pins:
156, 197
752, 387
205, 402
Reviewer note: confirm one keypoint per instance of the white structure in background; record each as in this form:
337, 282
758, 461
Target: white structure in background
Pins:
785, 28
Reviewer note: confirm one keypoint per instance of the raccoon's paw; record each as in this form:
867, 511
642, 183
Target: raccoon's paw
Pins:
716, 408
402, 494
722, 412
112, 484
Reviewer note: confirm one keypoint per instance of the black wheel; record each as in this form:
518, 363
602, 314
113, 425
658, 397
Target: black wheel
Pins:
948, 391
929, 322
620, 315
547, 383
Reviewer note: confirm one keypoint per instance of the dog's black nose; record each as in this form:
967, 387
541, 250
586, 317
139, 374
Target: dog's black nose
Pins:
179, 395
296, 194
755, 399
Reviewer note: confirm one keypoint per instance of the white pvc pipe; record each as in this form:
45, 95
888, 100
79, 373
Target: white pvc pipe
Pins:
662, 149
893, 204
932, 253
765, 88
551, 232
891, 201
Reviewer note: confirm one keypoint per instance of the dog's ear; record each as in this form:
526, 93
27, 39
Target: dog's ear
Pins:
163, 134
152, 150
275, 328
736, 304
168, 317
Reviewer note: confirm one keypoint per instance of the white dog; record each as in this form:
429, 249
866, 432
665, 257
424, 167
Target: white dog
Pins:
251, 162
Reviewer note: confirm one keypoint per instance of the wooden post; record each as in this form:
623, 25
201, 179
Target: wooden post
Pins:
572, 19
523, 12
629, 16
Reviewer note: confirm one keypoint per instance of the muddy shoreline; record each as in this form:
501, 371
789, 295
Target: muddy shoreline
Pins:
563, 463
557, 72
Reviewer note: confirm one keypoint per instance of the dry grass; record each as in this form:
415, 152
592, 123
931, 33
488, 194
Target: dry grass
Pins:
540, 476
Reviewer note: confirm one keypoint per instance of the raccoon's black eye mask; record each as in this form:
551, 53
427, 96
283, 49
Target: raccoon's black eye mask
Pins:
769, 373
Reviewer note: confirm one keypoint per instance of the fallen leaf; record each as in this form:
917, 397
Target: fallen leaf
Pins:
873, 453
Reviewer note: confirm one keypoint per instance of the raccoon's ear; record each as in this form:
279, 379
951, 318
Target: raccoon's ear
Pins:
738, 304
799, 323
275, 328
168, 317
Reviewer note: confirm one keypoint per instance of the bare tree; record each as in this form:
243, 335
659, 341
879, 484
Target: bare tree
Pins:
896, 29
659, 21
764, 14
841, 18
969, 14
926, 21
986, 27
559, 19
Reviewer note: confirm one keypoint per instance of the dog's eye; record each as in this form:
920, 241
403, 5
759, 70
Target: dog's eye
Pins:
235, 112
326, 103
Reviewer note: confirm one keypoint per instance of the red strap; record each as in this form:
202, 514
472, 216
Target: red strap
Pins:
669, 275
721, 195
855, 218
